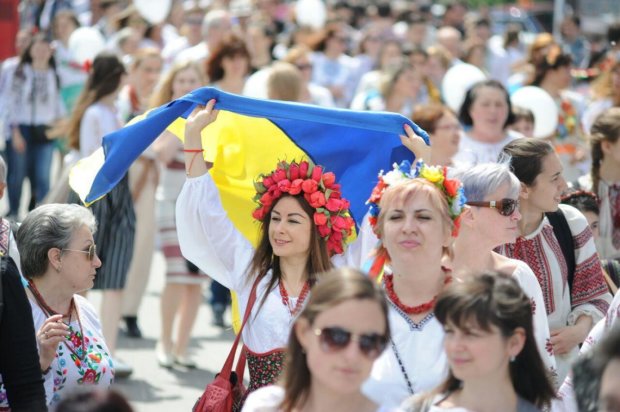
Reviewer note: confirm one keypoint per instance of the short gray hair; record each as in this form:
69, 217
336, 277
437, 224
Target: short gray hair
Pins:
483, 179
2, 170
49, 226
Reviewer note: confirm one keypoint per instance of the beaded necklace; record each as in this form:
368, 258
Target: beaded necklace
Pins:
410, 310
300, 300
76, 338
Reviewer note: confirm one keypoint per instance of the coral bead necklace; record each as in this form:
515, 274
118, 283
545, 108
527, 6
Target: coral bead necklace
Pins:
409, 310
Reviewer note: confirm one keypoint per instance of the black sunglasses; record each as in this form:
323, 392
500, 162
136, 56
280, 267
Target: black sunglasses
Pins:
505, 207
91, 252
335, 339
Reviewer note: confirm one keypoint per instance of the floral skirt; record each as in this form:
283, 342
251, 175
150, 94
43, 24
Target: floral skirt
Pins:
265, 369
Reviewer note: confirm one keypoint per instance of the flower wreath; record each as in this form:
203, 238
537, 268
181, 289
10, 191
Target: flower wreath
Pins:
437, 175
320, 190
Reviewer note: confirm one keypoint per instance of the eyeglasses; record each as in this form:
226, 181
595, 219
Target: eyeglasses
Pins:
91, 252
505, 207
335, 339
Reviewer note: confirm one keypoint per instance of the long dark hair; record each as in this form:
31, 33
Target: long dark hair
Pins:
526, 157
26, 59
606, 128
496, 299
336, 286
265, 260
104, 78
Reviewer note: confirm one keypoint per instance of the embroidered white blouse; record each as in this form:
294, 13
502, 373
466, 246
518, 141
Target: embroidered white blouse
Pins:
472, 152
528, 282
604, 245
209, 239
68, 371
420, 349
542, 252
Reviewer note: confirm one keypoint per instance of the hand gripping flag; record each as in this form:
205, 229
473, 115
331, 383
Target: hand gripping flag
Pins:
249, 137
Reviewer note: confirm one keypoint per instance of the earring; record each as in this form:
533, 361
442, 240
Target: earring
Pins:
513, 358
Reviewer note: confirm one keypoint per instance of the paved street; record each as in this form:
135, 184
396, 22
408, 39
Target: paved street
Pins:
155, 389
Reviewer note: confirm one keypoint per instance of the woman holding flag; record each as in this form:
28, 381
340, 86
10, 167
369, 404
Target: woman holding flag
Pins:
295, 203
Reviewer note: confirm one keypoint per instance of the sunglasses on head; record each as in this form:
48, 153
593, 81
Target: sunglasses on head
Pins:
91, 252
334, 339
505, 207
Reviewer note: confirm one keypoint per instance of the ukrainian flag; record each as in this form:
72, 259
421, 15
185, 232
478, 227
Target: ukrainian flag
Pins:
249, 137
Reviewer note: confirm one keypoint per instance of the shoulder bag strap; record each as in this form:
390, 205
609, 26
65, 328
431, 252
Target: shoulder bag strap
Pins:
562, 232
3, 265
227, 368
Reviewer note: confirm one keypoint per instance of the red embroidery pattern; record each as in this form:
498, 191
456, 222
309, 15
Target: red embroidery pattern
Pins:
531, 252
582, 238
549, 347
589, 283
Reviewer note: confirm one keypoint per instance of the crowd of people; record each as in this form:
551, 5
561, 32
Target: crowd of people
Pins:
494, 258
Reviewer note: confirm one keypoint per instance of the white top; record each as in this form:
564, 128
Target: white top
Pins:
268, 398
68, 73
472, 152
598, 332
67, 371
526, 278
33, 99
604, 244
592, 111
98, 120
339, 72
420, 349
542, 252
210, 240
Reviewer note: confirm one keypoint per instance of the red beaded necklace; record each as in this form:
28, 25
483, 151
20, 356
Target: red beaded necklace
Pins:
300, 299
76, 338
410, 310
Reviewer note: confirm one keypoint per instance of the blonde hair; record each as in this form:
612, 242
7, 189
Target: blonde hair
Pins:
284, 82
163, 93
400, 193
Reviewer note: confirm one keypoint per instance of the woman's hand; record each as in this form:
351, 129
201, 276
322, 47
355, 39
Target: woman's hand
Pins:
416, 144
200, 118
18, 141
566, 338
50, 334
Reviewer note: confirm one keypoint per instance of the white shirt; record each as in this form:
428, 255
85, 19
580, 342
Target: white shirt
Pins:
98, 121
209, 239
268, 399
541, 251
472, 152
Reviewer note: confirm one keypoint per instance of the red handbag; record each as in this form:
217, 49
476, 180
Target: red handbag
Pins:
227, 388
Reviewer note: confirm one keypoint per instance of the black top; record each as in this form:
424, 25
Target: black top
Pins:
19, 357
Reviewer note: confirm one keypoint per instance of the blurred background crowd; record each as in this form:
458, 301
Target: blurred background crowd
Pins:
475, 75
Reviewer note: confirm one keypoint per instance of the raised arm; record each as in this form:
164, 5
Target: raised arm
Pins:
207, 237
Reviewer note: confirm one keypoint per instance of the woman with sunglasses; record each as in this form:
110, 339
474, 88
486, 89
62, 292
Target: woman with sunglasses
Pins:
490, 221
59, 260
331, 349
573, 287
415, 215
491, 350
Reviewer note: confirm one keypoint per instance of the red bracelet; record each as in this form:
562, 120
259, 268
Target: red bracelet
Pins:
193, 150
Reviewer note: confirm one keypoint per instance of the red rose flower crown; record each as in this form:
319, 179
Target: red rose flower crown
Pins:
320, 190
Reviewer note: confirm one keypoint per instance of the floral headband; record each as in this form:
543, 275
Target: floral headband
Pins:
320, 190
451, 188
